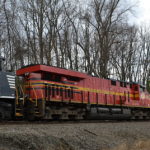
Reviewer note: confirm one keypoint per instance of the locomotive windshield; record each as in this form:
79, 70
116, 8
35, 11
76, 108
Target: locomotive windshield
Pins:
51, 77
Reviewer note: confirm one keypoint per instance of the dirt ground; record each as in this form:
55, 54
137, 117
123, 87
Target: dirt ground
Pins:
84, 136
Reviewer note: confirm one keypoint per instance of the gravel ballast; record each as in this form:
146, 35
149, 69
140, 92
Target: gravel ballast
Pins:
78, 136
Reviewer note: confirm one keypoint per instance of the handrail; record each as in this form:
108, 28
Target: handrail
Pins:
17, 97
22, 93
35, 95
42, 95
46, 92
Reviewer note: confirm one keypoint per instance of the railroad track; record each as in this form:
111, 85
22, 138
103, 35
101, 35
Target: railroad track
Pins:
67, 122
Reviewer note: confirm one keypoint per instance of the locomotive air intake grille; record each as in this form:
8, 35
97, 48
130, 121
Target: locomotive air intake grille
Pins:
11, 81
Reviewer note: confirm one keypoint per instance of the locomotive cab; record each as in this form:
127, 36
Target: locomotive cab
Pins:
54, 84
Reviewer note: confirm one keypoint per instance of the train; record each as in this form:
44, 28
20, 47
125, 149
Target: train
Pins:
49, 93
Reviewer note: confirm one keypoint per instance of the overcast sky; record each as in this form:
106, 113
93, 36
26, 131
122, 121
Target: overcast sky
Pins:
143, 12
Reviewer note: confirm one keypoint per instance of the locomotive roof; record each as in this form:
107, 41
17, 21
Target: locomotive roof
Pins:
50, 69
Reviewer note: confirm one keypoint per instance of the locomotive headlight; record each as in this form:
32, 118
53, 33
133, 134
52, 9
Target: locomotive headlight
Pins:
27, 75
26, 95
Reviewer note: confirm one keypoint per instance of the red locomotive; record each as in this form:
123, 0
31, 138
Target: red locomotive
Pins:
51, 92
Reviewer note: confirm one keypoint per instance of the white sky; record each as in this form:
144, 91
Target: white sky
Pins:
142, 11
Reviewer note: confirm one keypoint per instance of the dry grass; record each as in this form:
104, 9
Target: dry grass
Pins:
98, 136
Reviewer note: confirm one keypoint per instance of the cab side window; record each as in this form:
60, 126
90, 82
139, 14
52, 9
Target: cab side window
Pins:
113, 82
136, 88
46, 76
51, 77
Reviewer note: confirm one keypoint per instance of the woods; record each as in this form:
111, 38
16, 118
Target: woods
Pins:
97, 39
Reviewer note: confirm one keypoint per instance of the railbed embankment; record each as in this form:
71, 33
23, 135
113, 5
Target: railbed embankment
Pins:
76, 136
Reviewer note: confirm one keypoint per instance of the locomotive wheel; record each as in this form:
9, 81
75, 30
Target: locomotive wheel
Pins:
1, 116
29, 110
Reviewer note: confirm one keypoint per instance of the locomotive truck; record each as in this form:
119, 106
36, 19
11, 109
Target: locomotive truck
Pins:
47, 92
